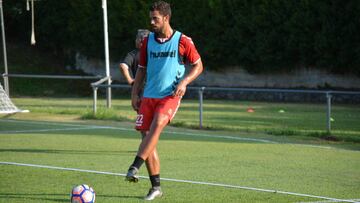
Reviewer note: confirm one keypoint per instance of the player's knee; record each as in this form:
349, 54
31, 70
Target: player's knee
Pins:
161, 120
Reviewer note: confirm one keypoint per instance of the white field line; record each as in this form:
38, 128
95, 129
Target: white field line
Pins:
45, 130
184, 181
224, 137
39, 122
329, 201
169, 132
313, 146
129, 129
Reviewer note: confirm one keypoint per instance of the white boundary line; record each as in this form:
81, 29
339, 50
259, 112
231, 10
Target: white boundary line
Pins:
183, 181
224, 137
128, 129
166, 132
40, 122
327, 201
46, 130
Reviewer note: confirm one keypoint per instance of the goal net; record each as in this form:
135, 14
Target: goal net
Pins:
6, 106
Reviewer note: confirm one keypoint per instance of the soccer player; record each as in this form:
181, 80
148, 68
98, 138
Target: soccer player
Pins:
129, 65
163, 56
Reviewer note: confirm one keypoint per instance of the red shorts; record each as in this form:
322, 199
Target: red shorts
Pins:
151, 106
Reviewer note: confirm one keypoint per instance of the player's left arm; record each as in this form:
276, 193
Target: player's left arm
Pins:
192, 55
193, 74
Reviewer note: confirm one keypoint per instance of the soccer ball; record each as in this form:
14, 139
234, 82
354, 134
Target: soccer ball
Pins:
82, 194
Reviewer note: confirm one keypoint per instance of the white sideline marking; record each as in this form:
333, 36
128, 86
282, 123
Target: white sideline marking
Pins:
314, 146
224, 137
183, 181
128, 129
328, 201
47, 130
179, 133
39, 122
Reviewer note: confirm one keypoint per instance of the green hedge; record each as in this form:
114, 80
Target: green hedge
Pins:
259, 35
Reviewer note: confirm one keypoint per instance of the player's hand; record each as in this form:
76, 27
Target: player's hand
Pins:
180, 89
135, 102
131, 82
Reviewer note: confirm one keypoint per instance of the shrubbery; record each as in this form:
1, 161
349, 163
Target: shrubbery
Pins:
259, 35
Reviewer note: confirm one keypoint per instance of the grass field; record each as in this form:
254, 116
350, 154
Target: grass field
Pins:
307, 120
229, 164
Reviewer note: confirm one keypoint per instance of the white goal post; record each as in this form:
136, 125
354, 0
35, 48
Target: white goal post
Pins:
6, 105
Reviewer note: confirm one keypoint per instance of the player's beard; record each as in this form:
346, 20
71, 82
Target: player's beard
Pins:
157, 30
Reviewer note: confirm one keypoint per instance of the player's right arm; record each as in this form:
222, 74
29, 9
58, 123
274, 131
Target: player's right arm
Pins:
137, 86
140, 76
124, 68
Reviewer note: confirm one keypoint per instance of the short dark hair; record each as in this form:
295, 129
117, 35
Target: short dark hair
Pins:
161, 6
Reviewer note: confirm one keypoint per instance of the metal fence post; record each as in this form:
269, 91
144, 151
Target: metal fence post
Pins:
95, 99
108, 94
328, 112
201, 91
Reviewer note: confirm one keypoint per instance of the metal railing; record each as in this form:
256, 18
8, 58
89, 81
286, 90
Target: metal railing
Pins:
327, 93
52, 76
99, 84
96, 85
77, 77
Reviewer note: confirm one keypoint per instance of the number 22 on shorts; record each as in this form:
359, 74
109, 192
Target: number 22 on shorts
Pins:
139, 120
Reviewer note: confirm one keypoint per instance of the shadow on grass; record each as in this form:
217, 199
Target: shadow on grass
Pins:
35, 197
120, 196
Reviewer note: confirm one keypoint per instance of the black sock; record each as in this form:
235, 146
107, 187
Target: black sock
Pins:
155, 180
137, 162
